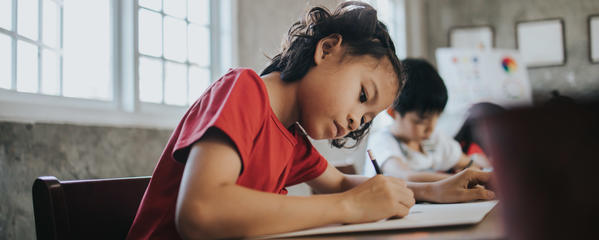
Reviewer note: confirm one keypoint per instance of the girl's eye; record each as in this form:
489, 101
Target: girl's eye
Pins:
363, 120
363, 97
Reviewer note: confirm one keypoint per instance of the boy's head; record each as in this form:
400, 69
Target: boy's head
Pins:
421, 102
346, 67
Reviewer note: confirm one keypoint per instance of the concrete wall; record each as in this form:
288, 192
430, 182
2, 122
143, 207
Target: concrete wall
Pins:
67, 152
262, 24
577, 78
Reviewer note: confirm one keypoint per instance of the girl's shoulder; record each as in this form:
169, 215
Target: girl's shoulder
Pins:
244, 81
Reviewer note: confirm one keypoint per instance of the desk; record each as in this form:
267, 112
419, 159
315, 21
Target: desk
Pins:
490, 227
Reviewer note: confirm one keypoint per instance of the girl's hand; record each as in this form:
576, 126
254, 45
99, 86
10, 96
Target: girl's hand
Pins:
378, 198
465, 186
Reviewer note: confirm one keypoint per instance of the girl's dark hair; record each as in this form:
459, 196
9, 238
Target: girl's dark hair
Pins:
362, 33
424, 91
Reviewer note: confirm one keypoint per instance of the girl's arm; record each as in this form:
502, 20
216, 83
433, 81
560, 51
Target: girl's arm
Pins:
211, 205
460, 187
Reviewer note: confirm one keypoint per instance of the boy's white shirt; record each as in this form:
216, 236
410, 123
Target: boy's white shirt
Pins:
441, 153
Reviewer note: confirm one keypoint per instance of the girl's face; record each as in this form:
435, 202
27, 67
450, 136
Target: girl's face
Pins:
414, 126
341, 93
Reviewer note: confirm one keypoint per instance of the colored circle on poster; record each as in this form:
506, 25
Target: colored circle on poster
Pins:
509, 65
513, 88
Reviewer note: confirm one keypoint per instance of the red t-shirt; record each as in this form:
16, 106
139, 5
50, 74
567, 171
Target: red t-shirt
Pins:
273, 157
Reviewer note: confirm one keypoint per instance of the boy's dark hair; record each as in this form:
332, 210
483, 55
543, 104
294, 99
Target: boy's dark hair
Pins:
424, 90
362, 33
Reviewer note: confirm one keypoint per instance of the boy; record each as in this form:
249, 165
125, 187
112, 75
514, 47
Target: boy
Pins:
410, 148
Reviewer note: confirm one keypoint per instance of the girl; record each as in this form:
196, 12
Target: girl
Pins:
224, 170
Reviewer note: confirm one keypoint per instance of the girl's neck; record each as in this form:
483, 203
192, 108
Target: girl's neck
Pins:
282, 97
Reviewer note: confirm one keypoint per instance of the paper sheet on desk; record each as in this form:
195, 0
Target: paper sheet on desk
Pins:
421, 216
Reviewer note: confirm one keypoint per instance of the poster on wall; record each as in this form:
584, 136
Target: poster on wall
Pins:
541, 42
474, 37
472, 76
594, 38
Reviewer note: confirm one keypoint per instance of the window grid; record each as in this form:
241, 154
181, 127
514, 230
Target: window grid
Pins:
188, 64
125, 108
39, 44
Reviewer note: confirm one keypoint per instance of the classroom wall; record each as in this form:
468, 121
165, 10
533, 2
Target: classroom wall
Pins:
67, 152
577, 78
262, 24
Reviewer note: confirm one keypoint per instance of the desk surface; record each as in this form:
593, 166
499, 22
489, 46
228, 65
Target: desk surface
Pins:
489, 228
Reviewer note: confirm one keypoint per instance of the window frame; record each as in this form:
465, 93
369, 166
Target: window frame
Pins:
125, 109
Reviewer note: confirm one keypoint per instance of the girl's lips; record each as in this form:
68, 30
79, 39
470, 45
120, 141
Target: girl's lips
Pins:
340, 130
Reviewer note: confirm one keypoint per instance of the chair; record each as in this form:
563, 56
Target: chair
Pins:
86, 209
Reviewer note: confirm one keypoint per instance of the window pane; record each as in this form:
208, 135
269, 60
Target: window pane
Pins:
27, 18
199, 45
5, 61
199, 11
151, 4
50, 25
175, 8
150, 80
6, 14
150, 33
175, 36
175, 85
87, 49
199, 80
50, 78
26, 67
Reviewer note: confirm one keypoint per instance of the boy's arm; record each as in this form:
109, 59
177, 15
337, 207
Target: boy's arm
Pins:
395, 166
211, 205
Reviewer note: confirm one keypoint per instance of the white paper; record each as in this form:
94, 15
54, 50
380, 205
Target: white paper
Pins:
498, 76
594, 25
541, 43
474, 38
421, 216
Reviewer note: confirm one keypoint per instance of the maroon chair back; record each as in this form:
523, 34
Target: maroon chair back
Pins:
86, 209
546, 165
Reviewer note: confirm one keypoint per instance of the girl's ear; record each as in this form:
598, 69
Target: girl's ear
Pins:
327, 47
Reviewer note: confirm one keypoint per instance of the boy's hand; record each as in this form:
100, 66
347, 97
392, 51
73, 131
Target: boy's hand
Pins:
465, 186
378, 198
480, 161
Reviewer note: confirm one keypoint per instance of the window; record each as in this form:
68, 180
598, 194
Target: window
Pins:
392, 14
174, 50
49, 48
139, 62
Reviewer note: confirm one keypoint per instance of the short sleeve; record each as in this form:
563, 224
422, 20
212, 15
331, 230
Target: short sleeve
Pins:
236, 104
384, 146
447, 152
308, 163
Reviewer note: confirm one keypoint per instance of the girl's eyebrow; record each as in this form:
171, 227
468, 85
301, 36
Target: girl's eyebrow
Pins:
376, 89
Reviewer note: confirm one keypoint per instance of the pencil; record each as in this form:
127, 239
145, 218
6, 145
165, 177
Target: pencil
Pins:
374, 163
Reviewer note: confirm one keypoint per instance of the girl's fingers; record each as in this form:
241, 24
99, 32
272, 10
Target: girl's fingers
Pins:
405, 196
480, 193
401, 210
479, 177
399, 182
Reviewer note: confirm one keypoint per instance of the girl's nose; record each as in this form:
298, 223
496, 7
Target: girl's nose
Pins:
353, 123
